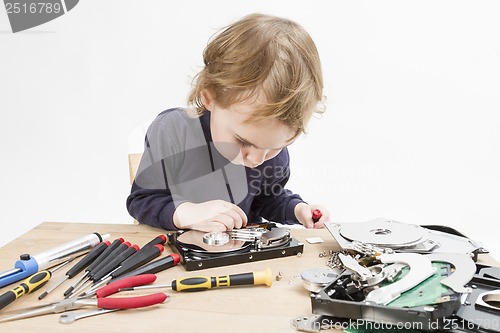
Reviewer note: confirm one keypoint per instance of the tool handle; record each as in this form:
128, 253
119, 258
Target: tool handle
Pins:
131, 302
316, 215
29, 285
153, 267
198, 283
99, 274
139, 259
88, 259
133, 281
111, 256
59, 253
161, 240
106, 253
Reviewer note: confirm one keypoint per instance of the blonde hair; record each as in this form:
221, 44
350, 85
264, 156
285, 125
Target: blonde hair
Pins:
268, 55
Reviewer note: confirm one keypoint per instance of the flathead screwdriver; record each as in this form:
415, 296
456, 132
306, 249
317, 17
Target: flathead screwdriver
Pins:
110, 249
158, 240
80, 266
153, 267
89, 281
128, 266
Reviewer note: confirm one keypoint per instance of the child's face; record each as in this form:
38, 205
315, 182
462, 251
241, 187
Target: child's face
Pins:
249, 144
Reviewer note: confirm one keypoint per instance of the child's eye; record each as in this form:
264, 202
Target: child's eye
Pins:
243, 143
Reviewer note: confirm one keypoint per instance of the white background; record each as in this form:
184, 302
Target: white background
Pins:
411, 132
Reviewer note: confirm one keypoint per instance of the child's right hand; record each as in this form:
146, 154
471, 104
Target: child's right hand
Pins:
214, 215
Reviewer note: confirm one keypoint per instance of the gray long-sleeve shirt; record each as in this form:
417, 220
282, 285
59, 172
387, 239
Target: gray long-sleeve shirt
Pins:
180, 163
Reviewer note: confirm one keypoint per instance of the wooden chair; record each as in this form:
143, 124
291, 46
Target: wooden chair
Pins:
133, 165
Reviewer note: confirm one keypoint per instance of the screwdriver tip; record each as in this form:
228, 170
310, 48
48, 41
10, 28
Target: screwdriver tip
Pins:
42, 295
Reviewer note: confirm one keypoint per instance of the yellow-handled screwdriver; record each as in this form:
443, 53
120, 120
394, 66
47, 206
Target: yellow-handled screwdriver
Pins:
31, 284
198, 283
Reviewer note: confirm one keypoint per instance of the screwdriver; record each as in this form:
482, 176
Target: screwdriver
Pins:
144, 257
198, 283
79, 266
153, 267
129, 265
158, 240
113, 264
316, 215
98, 273
110, 249
31, 284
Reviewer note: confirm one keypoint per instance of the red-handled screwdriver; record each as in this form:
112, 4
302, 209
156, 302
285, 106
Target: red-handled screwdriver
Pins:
316, 215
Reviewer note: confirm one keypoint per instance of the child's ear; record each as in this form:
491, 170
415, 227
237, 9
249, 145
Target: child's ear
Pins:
207, 100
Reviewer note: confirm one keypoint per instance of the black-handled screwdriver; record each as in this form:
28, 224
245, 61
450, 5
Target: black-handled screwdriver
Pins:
31, 284
128, 266
198, 283
110, 249
80, 266
89, 282
113, 264
139, 260
158, 240
153, 267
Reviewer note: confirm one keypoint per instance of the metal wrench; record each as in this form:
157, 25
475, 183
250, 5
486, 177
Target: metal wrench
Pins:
69, 318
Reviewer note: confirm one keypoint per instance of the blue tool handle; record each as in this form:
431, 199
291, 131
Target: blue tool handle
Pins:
28, 268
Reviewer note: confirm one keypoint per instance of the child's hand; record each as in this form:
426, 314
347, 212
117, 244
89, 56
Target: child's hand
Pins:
303, 213
214, 215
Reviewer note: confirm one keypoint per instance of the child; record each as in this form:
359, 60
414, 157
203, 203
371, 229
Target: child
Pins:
224, 163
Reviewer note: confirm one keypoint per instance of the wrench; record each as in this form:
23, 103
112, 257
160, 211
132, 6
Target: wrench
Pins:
69, 318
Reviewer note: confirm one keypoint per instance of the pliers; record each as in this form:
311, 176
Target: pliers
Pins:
101, 301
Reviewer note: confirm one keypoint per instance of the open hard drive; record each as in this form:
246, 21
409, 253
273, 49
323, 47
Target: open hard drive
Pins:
402, 237
391, 274
201, 250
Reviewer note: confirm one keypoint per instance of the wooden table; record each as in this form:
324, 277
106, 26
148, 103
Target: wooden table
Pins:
241, 309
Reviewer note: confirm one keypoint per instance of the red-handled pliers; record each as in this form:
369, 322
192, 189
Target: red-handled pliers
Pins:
101, 302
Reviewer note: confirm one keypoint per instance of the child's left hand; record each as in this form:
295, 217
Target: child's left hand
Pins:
303, 213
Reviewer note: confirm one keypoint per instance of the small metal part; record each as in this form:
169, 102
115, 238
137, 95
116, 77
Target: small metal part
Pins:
465, 268
216, 238
274, 237
420, 269
489, 300
279, 276
249, 234
307, 324
316, 278
378, 275
351, 264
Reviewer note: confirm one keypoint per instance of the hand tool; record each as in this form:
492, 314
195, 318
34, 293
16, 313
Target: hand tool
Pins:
31, 284
68, 318
127, 265
96, 262
198, 283
160, 239
153, 267
101, 302
79, 266
316, 215
113, 264
30, 264
88, 281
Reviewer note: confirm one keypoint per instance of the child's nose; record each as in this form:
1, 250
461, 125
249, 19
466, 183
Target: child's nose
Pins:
255, 157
